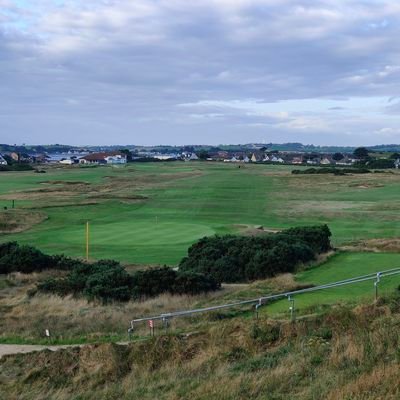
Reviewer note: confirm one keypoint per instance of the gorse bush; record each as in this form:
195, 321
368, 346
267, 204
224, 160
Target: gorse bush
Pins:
108, 280
237, 259
356, 169
28, 259
105, 279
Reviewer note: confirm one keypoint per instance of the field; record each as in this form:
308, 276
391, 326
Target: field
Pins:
151, 213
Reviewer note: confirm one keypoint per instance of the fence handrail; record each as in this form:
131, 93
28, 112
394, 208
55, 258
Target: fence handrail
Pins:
262, 299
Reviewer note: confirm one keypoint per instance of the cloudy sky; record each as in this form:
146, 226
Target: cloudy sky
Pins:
203, 71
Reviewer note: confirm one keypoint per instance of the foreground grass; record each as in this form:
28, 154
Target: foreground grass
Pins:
150, 213
24, 317
343, 354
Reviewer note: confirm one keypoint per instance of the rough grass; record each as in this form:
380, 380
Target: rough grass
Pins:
14, 221
344, 354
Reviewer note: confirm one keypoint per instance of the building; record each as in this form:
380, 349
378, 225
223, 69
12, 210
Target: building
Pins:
67, 161
2, 160
104, 158
297, 160
325, 161
266, 158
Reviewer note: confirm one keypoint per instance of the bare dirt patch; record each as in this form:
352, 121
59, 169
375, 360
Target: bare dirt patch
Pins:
65, 183
366, 185
14, 221
253, 230
376, 245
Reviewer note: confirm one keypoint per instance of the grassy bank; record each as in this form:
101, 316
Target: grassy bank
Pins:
343, 354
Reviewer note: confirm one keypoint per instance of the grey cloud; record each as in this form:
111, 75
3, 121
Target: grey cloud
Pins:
96, 71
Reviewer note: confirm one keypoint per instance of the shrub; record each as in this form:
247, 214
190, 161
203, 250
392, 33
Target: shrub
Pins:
26, 259
193, 283
237, 258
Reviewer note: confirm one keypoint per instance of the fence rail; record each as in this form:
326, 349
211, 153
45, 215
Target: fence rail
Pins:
260, 301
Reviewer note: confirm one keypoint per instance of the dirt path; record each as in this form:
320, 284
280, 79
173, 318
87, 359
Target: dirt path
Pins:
6, 349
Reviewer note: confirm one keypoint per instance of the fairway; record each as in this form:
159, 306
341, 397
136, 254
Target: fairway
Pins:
150, 213
340, 267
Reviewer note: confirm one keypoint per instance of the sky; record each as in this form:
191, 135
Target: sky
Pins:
176, 72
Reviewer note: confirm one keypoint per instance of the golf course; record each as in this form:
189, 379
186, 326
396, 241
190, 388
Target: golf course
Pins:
150, 213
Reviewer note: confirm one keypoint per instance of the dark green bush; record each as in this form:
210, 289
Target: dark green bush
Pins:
237, 258
26, 259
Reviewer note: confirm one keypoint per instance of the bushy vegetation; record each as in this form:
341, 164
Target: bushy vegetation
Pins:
108, 280
105, 279
332, 170
16, 167
27, 259
237, 259
22, 259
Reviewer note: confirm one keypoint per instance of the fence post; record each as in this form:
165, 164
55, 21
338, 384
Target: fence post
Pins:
166, 324
258, 305
378, 279
291, 308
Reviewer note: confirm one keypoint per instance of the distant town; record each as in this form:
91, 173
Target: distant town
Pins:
21, 157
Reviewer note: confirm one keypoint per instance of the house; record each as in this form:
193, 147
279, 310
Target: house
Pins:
193, 157
2, 160
246, 159
397, 163
325, 161
297, 160
15, 156
104, 158
266, 158
256, 158
67, 161
345, 161
41, 158
277, 159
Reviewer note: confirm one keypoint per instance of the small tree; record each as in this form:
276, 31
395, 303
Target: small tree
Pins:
361, 153
338, 156
203, 155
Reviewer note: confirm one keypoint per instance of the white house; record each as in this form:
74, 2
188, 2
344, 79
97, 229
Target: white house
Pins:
104, 158
2, 160
325, 161
66, 161
193, 157
116, 159
266, 158
246, 159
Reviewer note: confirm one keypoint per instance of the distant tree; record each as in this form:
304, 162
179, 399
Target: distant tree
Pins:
338, 156
8, 159
128, 154
394, 156
361, 153
203, 155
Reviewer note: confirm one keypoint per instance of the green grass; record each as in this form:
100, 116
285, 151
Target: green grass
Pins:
340, 267
186, 201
